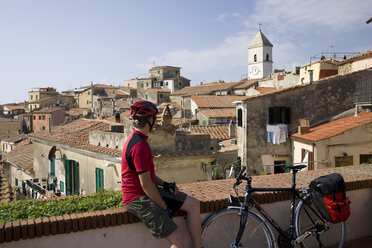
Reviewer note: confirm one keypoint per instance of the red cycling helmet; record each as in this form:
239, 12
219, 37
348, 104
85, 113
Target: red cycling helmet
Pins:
143, 108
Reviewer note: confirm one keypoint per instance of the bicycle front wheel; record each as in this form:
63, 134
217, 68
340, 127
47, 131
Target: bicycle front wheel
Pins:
221, 229
308, 218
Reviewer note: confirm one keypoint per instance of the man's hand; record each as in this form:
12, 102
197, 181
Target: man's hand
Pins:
171, 187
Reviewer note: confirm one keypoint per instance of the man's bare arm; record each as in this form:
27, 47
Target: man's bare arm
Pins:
150, 189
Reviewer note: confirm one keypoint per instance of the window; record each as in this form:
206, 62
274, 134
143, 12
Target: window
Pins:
43, 128
99, 179
240, 117
16, 182
279, 115
36, 97
343, 161
88, 93
146, 96
267, 57
39, 117
147, 84
180, 84
160, 95
31, 97
255, 58
53, 166
365, 159
61, 186
43, 117
158, 72
166, 83
87, 102
34, 117
141, 85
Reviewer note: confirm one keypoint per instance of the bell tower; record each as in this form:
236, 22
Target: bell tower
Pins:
260, 56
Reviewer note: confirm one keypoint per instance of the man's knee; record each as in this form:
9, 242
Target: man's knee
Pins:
176, 238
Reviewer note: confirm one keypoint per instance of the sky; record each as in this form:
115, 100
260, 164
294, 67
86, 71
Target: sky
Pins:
68, 44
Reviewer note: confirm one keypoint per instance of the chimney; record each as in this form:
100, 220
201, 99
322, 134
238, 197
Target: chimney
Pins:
304, 127
231, 130
311, 76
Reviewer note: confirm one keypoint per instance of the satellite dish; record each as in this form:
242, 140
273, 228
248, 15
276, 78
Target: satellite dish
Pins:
52, 153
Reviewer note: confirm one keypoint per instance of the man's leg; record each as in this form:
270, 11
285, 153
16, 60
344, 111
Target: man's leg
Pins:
192, 207
176, 239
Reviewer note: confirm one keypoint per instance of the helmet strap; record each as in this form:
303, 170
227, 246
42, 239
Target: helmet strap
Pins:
153, 122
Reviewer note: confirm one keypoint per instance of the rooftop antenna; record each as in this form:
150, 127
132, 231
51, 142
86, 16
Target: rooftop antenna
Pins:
259, 26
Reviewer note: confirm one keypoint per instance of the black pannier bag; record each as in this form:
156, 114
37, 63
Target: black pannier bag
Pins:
329, 196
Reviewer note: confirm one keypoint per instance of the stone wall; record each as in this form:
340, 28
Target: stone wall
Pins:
316, 102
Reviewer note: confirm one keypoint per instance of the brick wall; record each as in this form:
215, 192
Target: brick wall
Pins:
212, 194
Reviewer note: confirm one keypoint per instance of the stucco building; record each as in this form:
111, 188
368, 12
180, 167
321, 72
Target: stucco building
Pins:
355, 63
47, 118
265, 121
346, 141
318, 70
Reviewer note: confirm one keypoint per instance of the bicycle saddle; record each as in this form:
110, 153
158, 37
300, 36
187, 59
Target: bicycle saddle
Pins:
296, 167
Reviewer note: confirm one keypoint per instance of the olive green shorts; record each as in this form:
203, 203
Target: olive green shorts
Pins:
153, 216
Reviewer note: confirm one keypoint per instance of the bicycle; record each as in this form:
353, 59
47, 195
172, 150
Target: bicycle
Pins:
238, 226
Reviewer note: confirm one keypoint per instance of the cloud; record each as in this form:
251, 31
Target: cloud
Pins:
289, 25
290, 15
220, 17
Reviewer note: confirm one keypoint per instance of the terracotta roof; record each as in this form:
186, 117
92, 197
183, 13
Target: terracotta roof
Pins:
212, 101
160, 90
266, 90
47, 110
171, 105
22, 156
247, 83
122, 104
76, 134
42, 100
14, 137
337, 127
217, 132
206, 89
13, 106
76, 111
179, 121
121, 93
222, 113
365, 55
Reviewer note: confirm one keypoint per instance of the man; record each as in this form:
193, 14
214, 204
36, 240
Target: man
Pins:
142, 196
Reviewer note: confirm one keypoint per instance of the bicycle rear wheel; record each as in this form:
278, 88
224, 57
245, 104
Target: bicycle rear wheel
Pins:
221, 228
308, 218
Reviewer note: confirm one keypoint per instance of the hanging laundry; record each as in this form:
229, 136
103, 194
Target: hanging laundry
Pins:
277, 134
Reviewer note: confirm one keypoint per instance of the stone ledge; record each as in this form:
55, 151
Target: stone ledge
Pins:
213, 196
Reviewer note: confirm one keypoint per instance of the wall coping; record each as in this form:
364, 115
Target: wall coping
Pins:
213, 196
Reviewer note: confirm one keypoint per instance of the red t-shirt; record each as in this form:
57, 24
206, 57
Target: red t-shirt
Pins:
136, 154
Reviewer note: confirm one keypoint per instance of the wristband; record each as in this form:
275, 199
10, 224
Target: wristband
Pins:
168, 186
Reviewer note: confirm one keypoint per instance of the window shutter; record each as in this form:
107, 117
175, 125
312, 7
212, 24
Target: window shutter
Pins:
271, 115
287, 115
240, 117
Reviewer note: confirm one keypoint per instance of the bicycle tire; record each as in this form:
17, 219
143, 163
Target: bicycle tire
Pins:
221, 228
333, 237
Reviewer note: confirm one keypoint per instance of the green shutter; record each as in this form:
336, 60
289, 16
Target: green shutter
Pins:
68, 177
76, 177
99, 179
16, 182
53, 166
61, 186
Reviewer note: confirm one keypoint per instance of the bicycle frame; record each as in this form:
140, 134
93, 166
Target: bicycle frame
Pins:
249, 201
